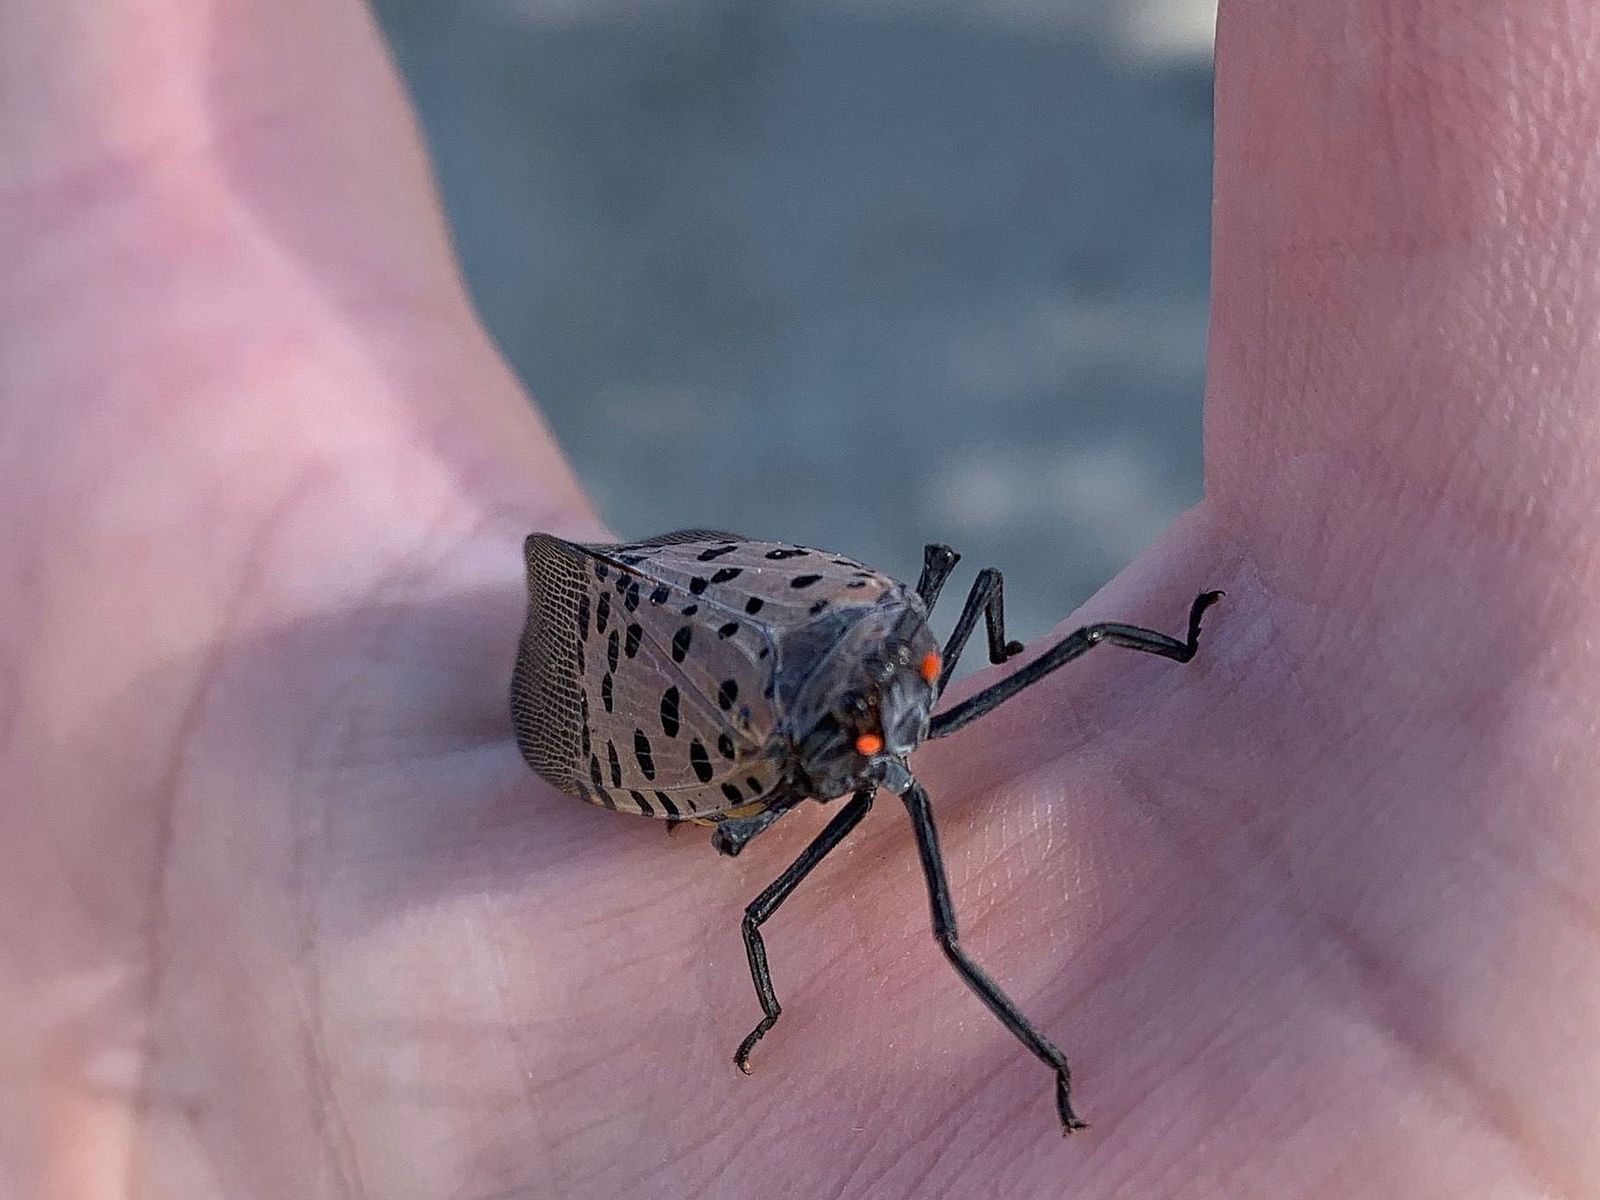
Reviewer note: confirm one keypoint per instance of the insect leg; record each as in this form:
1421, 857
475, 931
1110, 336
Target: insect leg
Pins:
937, 562
988, 597
731, 836
1074, 645
764, 905
944, 930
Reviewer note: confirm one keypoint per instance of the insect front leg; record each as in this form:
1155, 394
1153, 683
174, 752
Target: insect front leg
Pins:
764, 905
987, 597
944, 930
1075, 645
938, 561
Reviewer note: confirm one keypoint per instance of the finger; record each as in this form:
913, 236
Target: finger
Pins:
217, 212
1406, 282
96, 93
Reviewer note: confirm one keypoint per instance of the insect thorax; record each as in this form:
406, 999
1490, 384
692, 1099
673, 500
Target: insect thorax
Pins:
863, 678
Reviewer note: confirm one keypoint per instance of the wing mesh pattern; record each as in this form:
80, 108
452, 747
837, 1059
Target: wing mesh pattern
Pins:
546, 701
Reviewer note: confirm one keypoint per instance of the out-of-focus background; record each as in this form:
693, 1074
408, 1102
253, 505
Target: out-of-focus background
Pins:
853, 273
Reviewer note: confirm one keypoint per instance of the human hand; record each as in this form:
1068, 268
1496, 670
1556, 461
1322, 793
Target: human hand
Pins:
284, 914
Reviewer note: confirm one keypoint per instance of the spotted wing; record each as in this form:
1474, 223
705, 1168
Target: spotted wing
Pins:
798, 600
770, 585
667, 711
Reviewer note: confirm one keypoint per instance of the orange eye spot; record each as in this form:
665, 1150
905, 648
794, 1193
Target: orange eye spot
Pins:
930, 666
869, 744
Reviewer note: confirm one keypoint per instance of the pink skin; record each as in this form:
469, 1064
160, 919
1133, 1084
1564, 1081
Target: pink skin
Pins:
282, 914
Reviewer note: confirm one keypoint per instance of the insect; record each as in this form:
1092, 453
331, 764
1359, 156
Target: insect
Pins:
703, 676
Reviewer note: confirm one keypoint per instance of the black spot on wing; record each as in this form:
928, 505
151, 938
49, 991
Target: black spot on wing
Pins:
683, 656
753, 605
726, 574
631, 646
670, 719
615, 764
680, 643
700, 761
804, 581
602, 613
728, 694
642, 751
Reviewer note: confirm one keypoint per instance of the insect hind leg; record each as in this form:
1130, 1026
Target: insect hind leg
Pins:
733, 834
764, 905
944, 931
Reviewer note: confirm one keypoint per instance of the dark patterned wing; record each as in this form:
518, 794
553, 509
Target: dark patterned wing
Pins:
634, 693
770, 585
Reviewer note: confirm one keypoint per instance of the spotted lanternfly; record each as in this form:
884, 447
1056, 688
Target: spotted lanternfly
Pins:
702, 676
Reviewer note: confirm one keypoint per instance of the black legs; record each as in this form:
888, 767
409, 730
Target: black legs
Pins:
1072, 646
937, 563
988, 597
985, 599
764, 905
944, 929
730, 836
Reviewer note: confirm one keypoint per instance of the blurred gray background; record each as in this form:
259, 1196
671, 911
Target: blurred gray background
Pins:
853, 273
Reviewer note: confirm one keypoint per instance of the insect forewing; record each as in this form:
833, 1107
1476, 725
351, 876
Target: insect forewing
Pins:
635, 689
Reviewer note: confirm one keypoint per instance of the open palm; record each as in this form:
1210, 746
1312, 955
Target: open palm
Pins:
283, 914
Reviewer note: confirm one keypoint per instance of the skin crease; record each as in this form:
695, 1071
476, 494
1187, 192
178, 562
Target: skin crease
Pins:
283, 914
